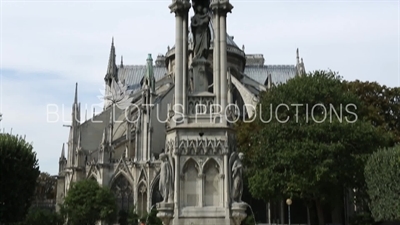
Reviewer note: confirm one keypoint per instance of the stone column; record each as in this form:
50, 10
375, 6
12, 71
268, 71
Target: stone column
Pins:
223, 63
227, 182
216, 58
185, 61
230, 88
176, 8
177, 184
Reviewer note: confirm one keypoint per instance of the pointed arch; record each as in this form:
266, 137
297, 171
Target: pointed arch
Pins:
191, 183
123, 191
154, 190
142, 197
92, 176
142, 176
189, 162
212, 183
121, 173
210, 162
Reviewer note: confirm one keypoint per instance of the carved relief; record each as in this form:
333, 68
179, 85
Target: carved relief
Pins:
201, 147
200, 105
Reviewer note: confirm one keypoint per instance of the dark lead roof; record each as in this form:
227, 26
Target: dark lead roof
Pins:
132, 75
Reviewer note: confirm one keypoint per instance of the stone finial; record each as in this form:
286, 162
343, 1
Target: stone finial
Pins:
62, 152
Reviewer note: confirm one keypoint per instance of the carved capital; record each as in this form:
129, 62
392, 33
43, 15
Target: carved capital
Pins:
180, 7
221, 6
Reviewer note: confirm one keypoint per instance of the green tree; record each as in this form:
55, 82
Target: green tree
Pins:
381, 105
152, 218
312, 151
43, 217
133, 217
45, 187
19, 170
87, 202
382, 174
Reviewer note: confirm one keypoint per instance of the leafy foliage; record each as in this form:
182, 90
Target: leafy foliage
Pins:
87, 202
133, 218
382, 173
249, 220
381, 105
313, 150
362, 219
151, 218
19, 170
45, 192
43, 217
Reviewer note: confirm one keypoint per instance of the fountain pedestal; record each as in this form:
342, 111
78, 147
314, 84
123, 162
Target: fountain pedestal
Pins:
238, 212
200, 81
165, 212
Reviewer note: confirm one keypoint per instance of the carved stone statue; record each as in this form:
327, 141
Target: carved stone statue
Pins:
237, 176
201, 32
166, 178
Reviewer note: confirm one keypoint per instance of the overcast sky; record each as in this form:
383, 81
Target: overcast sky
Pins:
47, 46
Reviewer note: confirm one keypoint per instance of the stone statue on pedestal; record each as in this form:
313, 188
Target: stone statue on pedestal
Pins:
237, 176
200, 29
166, 185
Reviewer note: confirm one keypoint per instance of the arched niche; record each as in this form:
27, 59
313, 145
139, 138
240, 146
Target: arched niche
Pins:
92, 177
123, 191
155, 191
212, 187
142, 199
190, 184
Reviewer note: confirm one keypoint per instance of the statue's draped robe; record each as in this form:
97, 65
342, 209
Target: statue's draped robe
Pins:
237, 183
166, 181
201, 35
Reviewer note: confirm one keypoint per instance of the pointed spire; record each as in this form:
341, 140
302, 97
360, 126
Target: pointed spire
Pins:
297, 55
302, 66
112, 68
62, 152
150, 73
76, 93
122, 62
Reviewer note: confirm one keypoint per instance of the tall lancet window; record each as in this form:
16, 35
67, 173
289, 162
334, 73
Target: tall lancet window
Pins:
123, 192
142, 209
211, 184
190, 185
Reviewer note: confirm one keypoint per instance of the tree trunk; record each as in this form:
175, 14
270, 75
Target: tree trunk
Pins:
320, 212
337, 217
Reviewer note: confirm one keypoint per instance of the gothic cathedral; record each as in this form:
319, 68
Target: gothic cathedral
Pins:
165, 137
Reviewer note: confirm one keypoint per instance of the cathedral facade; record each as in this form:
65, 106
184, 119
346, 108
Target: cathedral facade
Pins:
165, 109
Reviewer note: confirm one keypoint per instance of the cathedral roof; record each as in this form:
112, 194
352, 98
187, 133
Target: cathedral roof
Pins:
279, 73
132, 75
